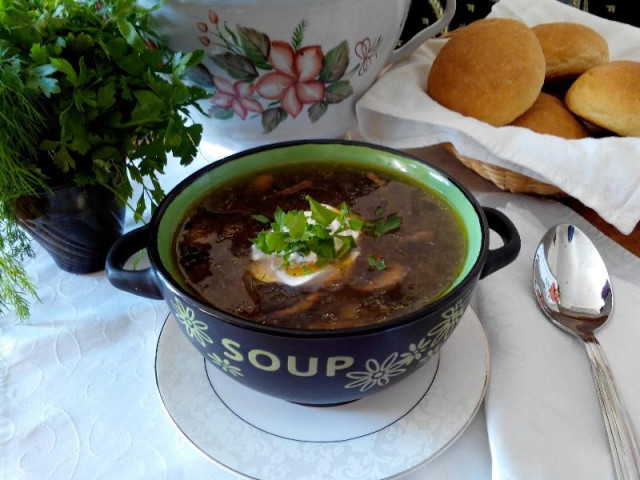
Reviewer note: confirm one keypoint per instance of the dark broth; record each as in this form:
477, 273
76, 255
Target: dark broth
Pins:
423, 256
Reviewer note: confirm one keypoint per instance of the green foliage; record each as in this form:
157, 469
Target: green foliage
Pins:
385, 225
88, 95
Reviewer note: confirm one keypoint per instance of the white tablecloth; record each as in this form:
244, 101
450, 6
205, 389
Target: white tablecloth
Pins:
78, 397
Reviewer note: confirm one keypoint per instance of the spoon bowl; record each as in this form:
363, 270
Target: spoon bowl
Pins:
571, 281
572, 286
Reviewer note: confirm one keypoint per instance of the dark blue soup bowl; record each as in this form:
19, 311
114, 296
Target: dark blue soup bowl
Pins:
316, 367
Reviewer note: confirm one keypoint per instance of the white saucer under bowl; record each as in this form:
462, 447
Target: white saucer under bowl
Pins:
378, 437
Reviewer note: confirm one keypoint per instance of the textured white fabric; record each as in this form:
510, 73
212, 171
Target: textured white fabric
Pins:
542, 413
602, 173
78, 396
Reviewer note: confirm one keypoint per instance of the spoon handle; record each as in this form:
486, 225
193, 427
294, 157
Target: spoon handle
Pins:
622, 438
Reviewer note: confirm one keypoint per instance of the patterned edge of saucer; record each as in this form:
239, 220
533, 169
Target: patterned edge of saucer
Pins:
413, 440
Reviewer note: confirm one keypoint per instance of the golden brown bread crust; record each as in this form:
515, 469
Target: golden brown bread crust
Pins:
570, 48
609, 96
549, 115
492, 70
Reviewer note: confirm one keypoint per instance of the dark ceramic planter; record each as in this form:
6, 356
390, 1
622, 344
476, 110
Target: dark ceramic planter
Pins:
312, 367
76, 225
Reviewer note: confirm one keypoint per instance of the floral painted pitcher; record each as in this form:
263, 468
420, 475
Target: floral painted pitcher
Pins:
287, 69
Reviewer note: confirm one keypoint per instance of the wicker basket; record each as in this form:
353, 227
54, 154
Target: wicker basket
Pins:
507, 179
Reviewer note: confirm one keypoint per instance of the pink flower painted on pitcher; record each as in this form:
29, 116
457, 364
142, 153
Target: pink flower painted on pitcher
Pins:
275, 79
294, 81
236, 96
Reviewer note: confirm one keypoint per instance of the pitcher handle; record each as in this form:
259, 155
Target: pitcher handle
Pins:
420, 37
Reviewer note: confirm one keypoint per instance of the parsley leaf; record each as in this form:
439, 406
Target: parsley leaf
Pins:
39, 78
387, 225
296, 223
377, 263
276, 241
321, 214
356, 224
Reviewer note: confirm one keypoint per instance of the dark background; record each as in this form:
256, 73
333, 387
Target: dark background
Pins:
423, 12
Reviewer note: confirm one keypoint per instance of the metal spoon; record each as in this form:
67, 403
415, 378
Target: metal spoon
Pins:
572, 286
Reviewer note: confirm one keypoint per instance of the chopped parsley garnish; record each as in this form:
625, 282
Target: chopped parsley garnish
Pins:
380, 227
260, 218
326, 232
377, 263
293, 233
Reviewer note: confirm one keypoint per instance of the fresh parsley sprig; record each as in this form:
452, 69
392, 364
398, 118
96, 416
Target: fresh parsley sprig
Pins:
112, 97
89, 94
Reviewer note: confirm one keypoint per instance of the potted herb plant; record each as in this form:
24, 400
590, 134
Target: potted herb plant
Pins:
91, 103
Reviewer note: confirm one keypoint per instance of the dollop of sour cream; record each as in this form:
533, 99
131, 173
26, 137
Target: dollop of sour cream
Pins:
303, 271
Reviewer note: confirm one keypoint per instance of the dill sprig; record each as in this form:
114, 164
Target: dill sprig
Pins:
16, 288
20, 124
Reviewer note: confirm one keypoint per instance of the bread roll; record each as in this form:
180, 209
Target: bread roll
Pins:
570, 48
609, 96
492, 70
549, 115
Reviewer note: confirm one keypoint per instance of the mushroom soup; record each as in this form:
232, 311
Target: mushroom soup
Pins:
320, 247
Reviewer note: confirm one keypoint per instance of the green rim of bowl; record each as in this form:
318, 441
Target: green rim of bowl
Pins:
354, 155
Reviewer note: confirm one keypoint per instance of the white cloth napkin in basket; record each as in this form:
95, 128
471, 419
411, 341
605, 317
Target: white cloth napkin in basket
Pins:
603, 173
542, 412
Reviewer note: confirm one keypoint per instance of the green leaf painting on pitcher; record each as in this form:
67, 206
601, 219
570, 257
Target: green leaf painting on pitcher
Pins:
273, 79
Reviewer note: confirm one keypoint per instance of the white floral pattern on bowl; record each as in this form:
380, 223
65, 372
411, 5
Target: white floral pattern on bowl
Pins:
196, 329
372, 373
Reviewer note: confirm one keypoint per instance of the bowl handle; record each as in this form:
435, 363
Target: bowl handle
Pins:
431, 31
508, 252
139, 282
